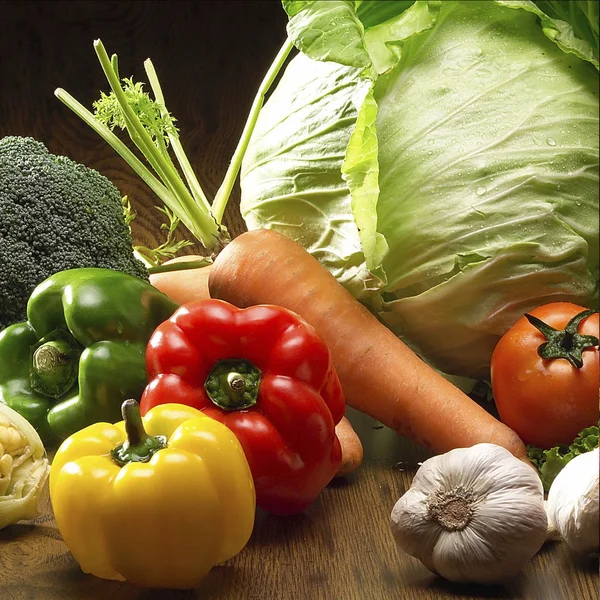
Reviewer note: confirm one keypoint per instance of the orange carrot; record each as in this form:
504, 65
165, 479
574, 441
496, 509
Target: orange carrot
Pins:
380, 375
183, 286
352, 450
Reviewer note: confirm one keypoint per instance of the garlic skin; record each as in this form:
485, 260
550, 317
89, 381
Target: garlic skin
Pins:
552, 534
573, 507
472, 515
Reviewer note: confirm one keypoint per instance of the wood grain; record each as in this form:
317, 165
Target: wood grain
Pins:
340, 548
210, 57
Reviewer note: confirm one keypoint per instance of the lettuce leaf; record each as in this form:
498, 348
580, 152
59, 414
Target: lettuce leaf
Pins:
550, 463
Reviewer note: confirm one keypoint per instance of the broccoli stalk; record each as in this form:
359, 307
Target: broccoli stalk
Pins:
152, 129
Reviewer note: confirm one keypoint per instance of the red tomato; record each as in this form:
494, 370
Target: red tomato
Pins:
546, 401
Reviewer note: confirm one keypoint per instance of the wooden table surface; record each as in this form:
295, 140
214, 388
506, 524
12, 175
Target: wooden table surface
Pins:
210, 57
341, 548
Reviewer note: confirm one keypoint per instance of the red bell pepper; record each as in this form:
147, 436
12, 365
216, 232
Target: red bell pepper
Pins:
267, 375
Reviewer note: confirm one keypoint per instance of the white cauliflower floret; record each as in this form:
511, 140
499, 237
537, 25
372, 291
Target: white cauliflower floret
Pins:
24, 468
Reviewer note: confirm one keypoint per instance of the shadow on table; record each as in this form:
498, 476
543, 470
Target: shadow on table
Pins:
511, 589
415, 580
589, 564
76, 585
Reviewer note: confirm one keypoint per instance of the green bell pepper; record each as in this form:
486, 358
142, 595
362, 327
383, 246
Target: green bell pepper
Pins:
81, 352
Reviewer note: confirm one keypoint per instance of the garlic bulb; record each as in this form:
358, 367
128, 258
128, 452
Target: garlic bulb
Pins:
472, 515
573, 507
552, 534
24, 468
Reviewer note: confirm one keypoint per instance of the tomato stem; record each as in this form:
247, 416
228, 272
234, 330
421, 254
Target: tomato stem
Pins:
565, 343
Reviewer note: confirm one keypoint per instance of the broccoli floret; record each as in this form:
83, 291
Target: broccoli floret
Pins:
55, 214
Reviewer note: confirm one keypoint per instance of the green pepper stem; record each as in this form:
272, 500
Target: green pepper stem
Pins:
139, 446
54, 364
51, 356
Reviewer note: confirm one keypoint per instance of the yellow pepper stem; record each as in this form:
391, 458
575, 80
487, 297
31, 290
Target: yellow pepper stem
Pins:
139, 446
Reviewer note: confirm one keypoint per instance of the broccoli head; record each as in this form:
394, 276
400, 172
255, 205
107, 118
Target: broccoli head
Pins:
55, 214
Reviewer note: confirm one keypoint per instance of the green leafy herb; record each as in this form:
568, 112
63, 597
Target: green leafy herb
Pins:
128, 211
550, 462
152, 129
155, 118
168, 249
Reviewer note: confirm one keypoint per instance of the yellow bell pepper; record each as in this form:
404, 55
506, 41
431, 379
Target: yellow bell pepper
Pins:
175, 481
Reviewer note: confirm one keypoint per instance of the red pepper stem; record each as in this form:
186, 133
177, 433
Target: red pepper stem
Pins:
139, 446
233, 384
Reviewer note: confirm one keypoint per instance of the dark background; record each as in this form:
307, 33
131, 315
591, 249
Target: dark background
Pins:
210, 57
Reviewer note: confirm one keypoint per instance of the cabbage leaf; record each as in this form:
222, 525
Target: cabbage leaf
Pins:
328, 30
292, 180
489, 181
581, 15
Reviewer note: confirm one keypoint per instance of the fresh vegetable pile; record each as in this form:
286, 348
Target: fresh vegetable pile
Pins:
443, 164
420, 189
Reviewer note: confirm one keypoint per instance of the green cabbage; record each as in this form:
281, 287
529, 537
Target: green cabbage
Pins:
441, 163
580, 15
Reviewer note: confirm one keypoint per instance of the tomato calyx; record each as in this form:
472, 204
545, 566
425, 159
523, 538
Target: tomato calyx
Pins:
565, 343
